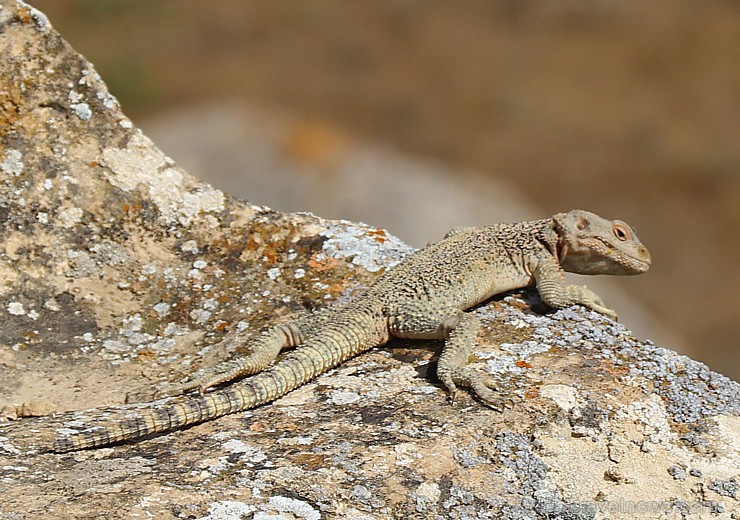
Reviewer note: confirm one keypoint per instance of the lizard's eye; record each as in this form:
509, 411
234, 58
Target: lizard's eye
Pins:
621, 232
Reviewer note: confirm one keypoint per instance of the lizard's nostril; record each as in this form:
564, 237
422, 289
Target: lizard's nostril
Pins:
644, 254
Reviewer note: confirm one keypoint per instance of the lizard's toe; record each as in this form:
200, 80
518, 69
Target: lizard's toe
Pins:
605, 311
609, 313
491, 398
482, 386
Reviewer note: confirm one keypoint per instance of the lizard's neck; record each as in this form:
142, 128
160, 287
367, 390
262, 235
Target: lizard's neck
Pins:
547, 234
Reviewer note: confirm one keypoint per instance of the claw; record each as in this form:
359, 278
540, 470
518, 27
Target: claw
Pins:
487, 394
494, 401
609, 314
497, 406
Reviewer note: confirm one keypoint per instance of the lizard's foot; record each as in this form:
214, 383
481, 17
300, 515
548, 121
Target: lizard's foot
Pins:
609, 313
589, 299
172, 390
488, 396
202, 384
482, 386
202, 380
451, 389
225, 372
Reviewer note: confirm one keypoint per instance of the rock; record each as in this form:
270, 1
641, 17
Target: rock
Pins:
120, 272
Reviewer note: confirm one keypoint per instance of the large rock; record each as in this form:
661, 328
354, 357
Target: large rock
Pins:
118, 271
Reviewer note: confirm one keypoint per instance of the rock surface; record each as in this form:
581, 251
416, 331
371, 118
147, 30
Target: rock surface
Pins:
118, 271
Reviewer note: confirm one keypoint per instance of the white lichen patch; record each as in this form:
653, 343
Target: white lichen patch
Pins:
132, 324
114, 345
200, 316
39, 18
228, 510
294, 506
242, 325
341, 397
52, 305
526, 349
12, 163
189, 246
508, 362
406, 454
148, 269
427, 496
651, 415
141, 163
82, 110
173, 329
301, 440
277, 508
201, 200
16, 309
566, 397
7, 447
162, 309
368, 247
249, 453
70, 217
136, 164
210, 467
163, 345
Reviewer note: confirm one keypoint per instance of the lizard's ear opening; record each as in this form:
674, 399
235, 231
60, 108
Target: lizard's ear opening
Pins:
572, 222
582, 223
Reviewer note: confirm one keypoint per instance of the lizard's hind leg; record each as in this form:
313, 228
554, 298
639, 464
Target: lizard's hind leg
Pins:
425, 320
264, 349
451, 368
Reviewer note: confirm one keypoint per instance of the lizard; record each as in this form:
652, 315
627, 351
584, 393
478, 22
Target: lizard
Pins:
425, 296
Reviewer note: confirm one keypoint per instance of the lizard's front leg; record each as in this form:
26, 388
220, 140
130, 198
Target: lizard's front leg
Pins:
550, 281
427, 320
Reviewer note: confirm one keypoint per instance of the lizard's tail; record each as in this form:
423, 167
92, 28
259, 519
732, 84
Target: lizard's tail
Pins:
183, 411
334, 345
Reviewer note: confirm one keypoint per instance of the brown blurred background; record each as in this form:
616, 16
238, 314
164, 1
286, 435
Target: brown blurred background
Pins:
627, 108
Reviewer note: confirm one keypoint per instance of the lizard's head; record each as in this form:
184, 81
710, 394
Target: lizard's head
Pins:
589, 244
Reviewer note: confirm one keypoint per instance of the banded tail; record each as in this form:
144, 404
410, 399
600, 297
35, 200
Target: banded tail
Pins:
327, 349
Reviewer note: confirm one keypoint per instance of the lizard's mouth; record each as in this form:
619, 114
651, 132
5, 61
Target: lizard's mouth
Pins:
593, 255
636, 263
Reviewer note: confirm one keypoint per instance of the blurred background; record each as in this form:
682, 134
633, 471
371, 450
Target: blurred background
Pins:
421, 115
